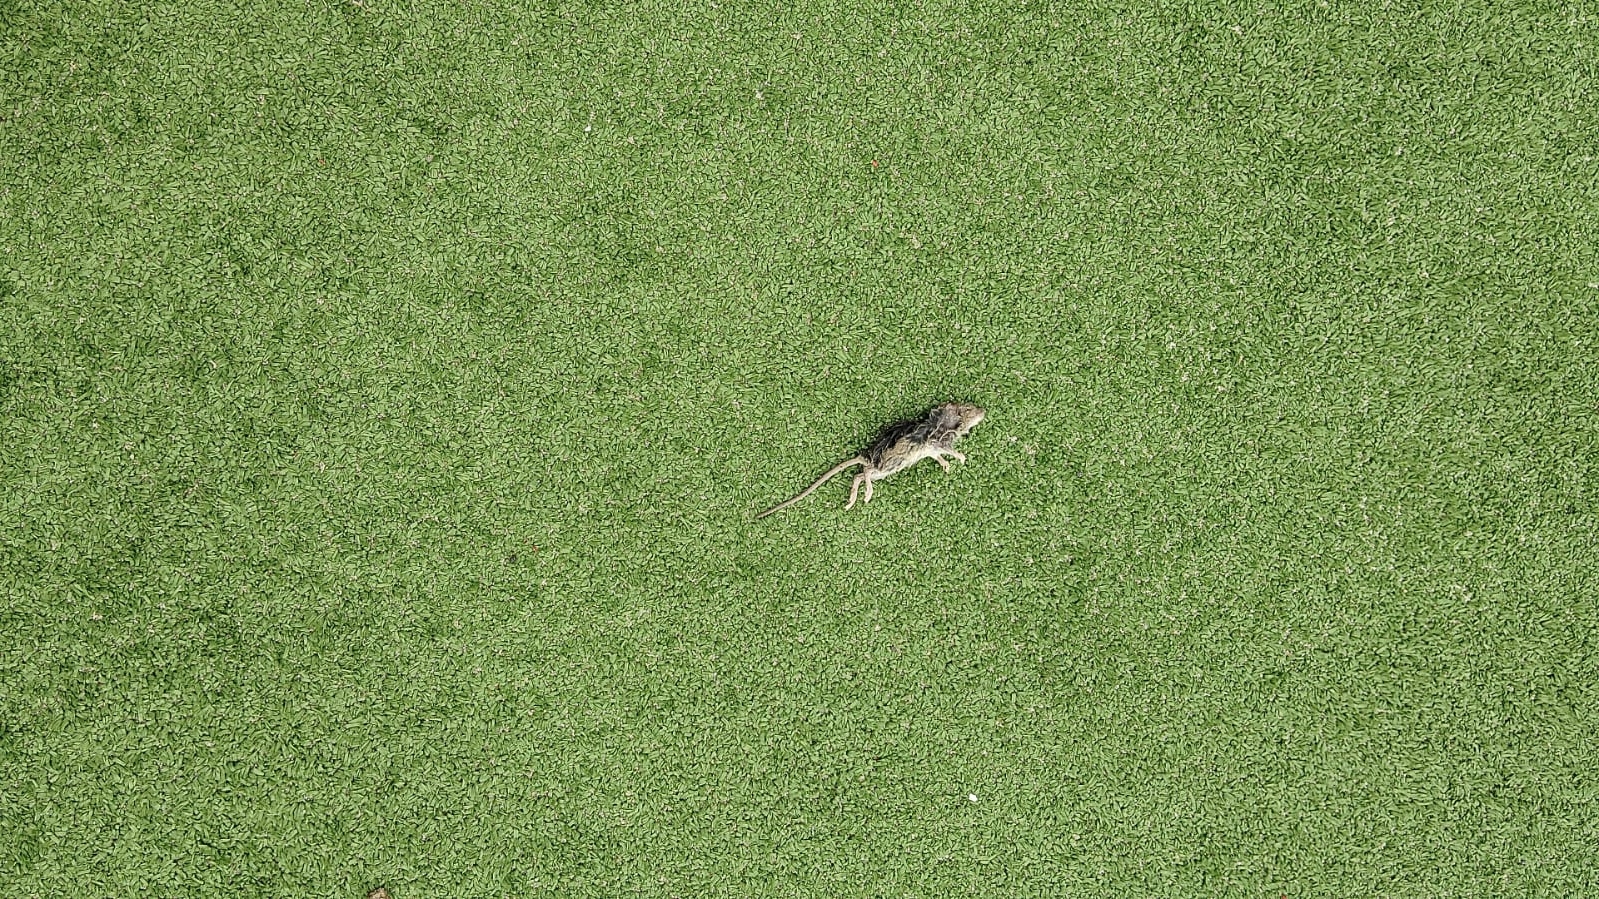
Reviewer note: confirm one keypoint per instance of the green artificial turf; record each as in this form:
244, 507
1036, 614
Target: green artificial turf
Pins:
386, 391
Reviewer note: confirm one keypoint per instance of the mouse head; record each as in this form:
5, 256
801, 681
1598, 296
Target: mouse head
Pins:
962, 416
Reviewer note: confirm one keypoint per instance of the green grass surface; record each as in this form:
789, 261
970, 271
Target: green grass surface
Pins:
386, 391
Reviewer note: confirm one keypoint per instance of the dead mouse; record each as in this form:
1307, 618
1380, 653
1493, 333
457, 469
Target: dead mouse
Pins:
900, 446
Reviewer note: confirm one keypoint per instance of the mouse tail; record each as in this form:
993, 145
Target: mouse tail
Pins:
858, 460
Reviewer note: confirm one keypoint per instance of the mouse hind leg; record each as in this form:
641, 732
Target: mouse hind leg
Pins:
855, 487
